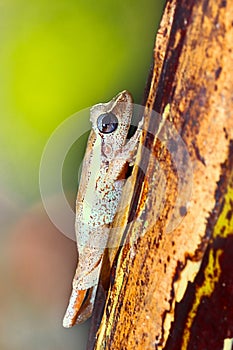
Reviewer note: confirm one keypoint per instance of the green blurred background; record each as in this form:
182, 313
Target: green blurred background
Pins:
56, 58
60, 57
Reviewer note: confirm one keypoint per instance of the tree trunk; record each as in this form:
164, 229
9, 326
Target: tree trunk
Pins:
171, 284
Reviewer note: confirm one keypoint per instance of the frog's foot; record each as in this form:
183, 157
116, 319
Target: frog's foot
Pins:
80, 307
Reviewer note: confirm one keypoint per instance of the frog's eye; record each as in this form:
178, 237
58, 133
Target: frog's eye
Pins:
107, 123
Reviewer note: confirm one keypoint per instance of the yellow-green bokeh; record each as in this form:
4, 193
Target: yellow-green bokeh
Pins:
58, 57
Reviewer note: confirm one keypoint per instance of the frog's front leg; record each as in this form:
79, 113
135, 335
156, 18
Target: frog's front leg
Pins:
125, 156
130, 148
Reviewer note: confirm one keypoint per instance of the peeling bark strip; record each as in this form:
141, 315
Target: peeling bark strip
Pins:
175, 290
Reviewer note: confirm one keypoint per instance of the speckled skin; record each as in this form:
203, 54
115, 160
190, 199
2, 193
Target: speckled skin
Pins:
98, 196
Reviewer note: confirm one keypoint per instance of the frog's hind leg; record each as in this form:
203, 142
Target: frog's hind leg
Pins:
80, 307
87, 306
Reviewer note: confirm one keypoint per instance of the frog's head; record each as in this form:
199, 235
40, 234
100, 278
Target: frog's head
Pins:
111, 121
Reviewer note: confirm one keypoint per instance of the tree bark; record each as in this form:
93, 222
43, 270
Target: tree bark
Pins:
171, 284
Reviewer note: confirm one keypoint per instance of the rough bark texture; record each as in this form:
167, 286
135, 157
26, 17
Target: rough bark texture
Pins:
171, 284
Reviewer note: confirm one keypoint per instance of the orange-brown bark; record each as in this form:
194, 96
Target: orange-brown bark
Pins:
168, 266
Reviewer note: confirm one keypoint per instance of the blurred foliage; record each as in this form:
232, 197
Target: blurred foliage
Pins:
59, 57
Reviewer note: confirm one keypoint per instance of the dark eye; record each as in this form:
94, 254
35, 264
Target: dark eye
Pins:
107, 123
